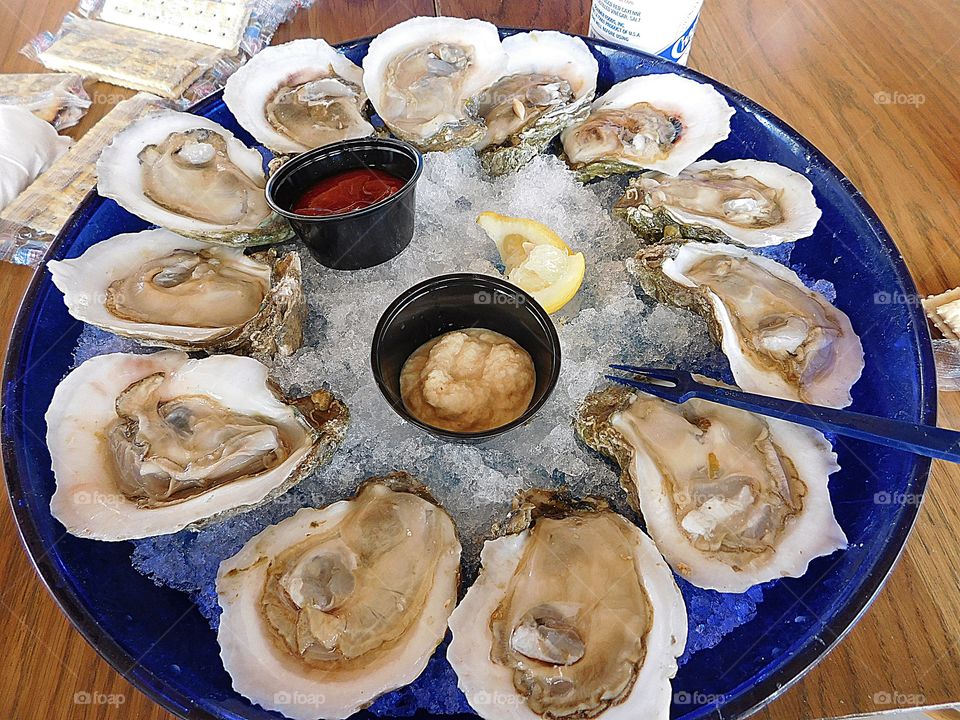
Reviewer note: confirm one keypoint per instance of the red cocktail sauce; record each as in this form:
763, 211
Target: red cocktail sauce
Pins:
348, 191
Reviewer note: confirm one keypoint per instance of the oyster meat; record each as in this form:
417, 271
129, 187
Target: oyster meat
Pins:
146, 445
548, 84
299, 95
165, 290
189, 175
656, 122
335, 606
750, 202
574, 615
781, 338
732, 499
423, 77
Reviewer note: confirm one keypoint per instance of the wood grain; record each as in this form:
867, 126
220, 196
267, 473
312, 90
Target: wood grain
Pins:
568, 15
829, 69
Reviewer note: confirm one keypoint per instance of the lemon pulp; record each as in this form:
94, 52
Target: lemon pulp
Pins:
535, 259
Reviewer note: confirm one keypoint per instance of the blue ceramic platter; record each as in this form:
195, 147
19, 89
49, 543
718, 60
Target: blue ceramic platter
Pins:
159, 641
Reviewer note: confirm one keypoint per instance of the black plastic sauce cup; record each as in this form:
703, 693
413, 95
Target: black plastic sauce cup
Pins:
360, 238
454, 302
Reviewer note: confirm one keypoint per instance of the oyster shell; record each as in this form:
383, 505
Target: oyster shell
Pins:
548, 84
423, 76
189, 175
147, 445
655, 122
574, 614
165, 290
750, 202
336, 606
732, 499
781, 338
299, 95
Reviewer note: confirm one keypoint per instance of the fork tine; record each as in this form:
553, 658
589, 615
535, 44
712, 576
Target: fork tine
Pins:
672, 393
659, 373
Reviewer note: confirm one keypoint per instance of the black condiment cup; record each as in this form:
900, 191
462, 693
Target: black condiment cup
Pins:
360, 238
455, 302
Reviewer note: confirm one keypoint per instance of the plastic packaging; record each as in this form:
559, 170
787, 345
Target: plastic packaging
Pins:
123, 56
58, 98
946, 354
29, 223
167, 66
943, 310
28, 146
265, 17
210, 22
261, 19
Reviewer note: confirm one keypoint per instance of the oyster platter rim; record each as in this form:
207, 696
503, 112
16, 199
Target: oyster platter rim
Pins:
740, 702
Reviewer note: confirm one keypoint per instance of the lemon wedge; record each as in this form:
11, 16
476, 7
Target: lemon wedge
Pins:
535, 259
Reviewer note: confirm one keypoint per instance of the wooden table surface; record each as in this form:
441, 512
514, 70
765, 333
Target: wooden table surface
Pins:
874, 85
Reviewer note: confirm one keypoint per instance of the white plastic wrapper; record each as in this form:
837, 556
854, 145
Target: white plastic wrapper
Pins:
946, 353
28, 146
29, 223
58, 98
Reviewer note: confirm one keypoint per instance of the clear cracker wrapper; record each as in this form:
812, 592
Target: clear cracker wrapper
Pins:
136, 59
265, 17
30, 223
946, 354
172, 65
944, 312
210, 22
58, 98
213, 22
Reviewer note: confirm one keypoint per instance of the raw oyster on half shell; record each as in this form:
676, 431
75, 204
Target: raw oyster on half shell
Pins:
335, 606
655, 122
750, 202
165, 290
732, 499
189, 175
780, 337
548, 84
575, 614
423, 77
146, 445
299, 95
